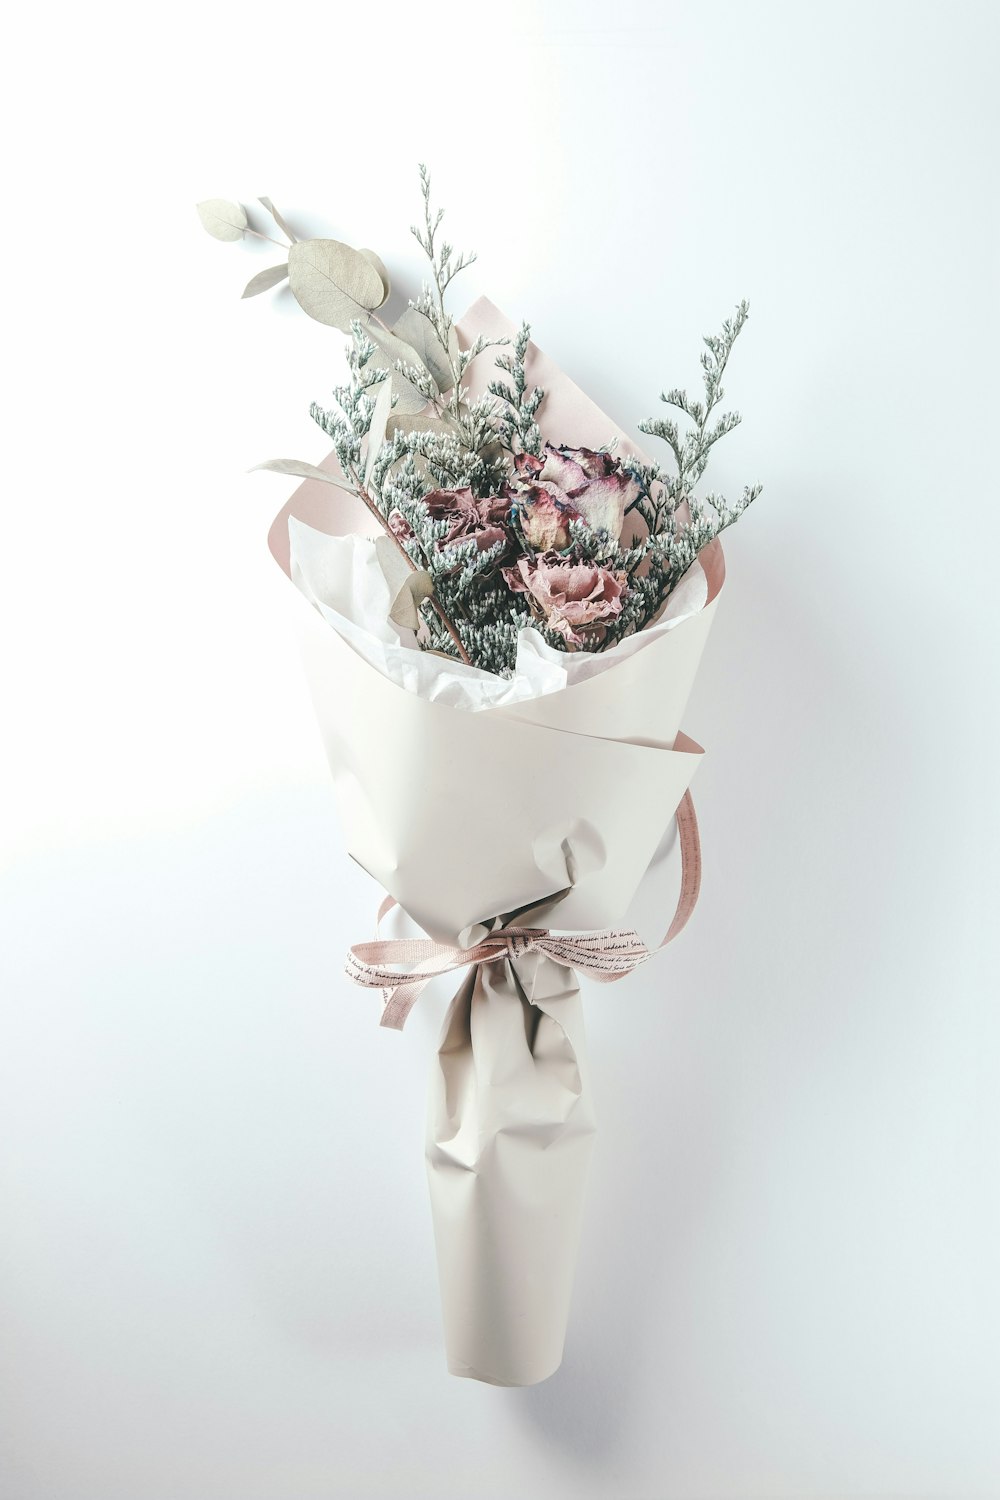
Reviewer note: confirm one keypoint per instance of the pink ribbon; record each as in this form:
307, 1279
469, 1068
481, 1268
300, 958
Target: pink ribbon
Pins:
605, 956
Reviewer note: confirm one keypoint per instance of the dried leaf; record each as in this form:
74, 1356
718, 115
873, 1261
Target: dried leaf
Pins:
419, 331
278, 219
405, 610
332, 282
393, 347
408, 400
373, 260
387, 419
222, 219
376, 431
302, 470
393, 561
264, 280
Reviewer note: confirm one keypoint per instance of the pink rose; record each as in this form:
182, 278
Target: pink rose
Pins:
528, 466
594, 485
544, 517
469, 517
574, 597
400, 526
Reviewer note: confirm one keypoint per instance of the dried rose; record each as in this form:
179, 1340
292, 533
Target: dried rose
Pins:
528, 466
597, 485
544, 517
469, 517
574, 597
400, 526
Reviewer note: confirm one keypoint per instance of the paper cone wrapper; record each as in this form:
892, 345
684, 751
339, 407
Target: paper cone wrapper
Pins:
464, 817
509, 1135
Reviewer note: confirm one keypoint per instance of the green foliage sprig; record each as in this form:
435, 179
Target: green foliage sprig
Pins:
516, 425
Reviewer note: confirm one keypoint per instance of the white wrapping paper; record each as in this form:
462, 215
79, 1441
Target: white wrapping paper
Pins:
468, 799
510, 1127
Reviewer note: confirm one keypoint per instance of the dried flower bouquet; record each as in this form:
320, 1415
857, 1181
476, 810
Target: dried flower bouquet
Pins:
506, 583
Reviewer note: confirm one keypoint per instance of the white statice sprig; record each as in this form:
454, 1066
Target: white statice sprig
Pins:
445, 265
691, 447
516, 427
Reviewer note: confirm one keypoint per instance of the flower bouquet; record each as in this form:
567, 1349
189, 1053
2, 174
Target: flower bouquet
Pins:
492, 575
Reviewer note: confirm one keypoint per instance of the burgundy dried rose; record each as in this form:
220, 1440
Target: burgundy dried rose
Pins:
594, 485
469, 517
574, 597
400, 526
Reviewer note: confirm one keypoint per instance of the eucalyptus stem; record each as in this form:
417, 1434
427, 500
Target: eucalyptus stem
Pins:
270, 239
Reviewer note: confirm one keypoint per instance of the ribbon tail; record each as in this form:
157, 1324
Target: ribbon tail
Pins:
690, 842
399, 1002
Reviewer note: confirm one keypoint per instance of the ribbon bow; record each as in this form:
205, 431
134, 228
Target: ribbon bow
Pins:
605, 956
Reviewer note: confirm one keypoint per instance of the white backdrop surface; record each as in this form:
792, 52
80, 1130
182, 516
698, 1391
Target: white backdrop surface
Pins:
215, 1285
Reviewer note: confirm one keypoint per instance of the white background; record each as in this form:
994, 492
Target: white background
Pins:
217, 1269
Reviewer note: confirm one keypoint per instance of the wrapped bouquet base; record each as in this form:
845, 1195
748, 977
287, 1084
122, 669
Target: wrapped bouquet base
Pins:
509, 1133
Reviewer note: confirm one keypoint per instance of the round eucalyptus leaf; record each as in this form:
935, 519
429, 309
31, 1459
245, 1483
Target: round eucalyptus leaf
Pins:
222, 219
373, 260
333, 283
419, 331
